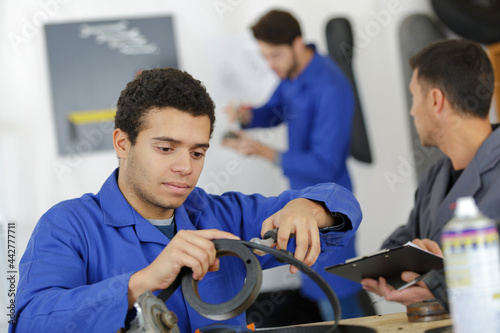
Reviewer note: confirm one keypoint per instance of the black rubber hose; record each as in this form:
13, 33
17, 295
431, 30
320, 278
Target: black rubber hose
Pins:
251, 289
325, 287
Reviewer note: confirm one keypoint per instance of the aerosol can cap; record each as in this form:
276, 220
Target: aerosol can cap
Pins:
466, 207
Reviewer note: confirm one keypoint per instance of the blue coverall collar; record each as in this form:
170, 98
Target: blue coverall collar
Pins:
309, 73
116, 210
119, 213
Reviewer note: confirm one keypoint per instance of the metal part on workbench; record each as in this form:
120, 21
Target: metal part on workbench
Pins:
427, 310
152, 316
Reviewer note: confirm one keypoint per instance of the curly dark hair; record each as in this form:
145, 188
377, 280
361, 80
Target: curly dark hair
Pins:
462, 70
159, 88
277, 27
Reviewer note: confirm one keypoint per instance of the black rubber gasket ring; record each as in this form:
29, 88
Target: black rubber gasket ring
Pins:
245, 297
251, 288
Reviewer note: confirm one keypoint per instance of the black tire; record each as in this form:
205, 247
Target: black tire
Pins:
340, 44
469, 19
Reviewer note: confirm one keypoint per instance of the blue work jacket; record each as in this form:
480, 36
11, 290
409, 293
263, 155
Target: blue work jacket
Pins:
75, 271
318, 108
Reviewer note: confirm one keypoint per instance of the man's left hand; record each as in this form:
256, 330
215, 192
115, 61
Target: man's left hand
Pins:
413, 294
302, 217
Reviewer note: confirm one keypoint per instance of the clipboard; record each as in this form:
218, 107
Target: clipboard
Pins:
389, 263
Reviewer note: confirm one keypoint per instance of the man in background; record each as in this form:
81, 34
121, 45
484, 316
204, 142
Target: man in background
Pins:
452, 88
316, 101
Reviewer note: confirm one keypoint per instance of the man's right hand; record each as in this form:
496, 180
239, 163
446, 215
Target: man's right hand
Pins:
240, 113
188, 248
428, 245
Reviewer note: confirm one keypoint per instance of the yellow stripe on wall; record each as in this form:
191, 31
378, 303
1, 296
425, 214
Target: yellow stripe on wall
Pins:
91, 116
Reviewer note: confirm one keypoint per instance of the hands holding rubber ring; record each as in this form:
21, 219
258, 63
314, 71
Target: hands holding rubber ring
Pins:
195, 249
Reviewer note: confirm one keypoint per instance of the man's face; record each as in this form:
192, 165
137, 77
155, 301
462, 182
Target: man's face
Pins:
422, 113
281, 58
162, 168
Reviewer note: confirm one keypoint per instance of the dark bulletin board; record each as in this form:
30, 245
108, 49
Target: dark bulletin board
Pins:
90, 63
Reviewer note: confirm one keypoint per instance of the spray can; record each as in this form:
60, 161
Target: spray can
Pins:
472, 268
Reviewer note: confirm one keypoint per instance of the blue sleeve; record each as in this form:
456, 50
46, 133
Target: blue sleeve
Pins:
243, 215
270, 114
330, 137
337, 199
53, 291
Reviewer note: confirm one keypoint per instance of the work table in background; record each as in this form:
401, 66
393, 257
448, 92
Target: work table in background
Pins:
394, 323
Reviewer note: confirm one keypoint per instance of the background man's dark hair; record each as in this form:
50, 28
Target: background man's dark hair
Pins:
159, 88
277, 27
462, 70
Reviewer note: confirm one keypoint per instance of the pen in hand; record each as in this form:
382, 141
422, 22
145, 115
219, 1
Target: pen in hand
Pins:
406, 285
